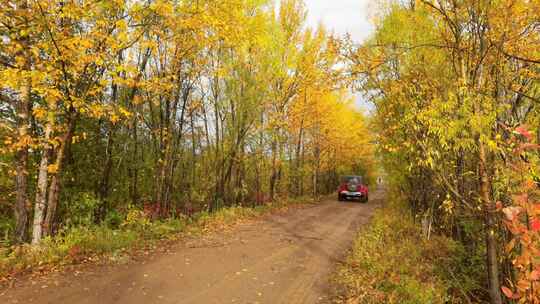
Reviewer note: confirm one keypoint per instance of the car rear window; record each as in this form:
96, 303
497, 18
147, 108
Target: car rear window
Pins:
351, 178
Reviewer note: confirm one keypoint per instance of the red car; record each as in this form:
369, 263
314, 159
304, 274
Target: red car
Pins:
352, 187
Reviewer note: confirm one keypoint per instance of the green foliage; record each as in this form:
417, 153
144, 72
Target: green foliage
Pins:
67, 247
89, 241
165, 229
7, 225
113, 219
81, 210
136, 219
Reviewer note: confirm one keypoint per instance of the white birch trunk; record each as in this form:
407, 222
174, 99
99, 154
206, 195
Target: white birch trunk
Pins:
41, 193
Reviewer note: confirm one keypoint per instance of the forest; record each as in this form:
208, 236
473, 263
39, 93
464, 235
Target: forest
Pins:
456, 90
166, 107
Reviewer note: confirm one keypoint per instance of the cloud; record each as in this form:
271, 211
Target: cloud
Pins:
341, 16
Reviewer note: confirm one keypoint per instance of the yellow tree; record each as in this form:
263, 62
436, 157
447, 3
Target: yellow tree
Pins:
69, 48
446, 94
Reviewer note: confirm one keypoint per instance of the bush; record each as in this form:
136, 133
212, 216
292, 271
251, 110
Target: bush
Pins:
74, 244
67, 247
391, 262
7, 227
165, 229
136, 219
92, 240
81, 211
113, 219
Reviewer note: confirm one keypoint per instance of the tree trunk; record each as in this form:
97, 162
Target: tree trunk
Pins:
317, 155
21, 156
460, 165
54, 188
273, 176
491, 241
41, 193
21, 184
301, 184
21, 165
299, 176
133, 169
104, 184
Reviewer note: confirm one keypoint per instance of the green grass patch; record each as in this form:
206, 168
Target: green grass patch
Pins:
391, 262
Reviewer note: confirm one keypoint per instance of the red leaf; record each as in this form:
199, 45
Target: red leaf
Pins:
521, 130
528, 146
535, 225
507, 292
511, 212
521, 198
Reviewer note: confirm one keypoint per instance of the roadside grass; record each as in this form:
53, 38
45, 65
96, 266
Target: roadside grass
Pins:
115, 244
391, 262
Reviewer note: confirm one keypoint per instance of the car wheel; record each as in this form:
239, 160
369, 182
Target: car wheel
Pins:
365, 199
339, 198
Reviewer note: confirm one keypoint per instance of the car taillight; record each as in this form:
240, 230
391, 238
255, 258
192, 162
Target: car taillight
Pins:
342, 187
362, 189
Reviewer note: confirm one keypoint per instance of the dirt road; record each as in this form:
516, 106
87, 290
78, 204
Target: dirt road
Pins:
278, 259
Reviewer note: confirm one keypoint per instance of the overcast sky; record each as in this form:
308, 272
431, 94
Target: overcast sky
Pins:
341, 16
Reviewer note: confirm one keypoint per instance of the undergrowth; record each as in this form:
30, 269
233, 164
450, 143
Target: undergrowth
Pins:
114, 241
392, 262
